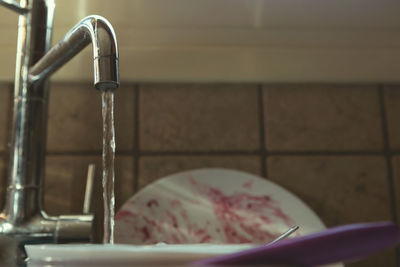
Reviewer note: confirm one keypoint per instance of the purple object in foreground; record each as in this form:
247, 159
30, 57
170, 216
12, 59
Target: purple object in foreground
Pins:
339, 244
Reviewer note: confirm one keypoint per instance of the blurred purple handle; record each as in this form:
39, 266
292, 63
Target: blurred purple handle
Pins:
339, 244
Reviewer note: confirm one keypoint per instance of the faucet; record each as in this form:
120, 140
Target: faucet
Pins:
23, 218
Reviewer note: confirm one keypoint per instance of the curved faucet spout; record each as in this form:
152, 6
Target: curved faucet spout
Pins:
92, 29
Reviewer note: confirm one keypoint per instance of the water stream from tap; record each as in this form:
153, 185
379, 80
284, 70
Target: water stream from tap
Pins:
107, 98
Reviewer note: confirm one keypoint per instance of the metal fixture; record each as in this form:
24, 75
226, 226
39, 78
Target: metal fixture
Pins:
23, 217
285, 234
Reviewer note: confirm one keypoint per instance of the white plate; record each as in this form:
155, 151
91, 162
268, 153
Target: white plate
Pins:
212, 206
117, 255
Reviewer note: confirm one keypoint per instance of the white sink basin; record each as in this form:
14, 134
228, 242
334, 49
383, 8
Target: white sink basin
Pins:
119, 255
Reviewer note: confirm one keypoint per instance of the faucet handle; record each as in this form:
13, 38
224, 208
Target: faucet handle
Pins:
78, 228
89, 188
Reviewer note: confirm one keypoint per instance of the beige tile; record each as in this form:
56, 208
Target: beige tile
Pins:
322, 117
5, 114
66, 180
152, 168
75, 120
392, 104
124, 183
340, 189
124, 111
199, 117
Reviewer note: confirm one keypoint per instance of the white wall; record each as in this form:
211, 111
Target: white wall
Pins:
234, 40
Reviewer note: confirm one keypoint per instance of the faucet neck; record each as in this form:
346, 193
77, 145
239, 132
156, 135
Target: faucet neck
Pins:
29, 122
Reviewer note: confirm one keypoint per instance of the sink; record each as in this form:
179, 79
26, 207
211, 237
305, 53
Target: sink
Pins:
118, 254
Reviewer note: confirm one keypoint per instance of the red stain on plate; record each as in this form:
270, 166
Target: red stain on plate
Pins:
152, 202
236, 214
248, 184
208, 216
175, 203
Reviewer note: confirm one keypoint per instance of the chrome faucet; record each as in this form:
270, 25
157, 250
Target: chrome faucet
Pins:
23, 217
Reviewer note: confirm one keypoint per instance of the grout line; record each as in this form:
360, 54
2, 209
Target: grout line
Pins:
263, 156
87, 153
136, 143
325, 153
387, 153
386, 143
257, 152
201, 153
136, 152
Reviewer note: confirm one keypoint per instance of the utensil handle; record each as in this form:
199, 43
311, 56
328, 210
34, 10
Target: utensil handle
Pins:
89, 188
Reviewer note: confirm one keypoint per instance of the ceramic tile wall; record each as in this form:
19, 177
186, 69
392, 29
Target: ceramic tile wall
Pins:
335, 146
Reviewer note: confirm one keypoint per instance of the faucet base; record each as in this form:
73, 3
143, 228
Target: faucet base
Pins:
42, 229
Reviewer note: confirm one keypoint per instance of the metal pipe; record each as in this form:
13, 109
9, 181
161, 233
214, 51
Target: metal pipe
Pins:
92, 29
11, 4
22, 216
29, 123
